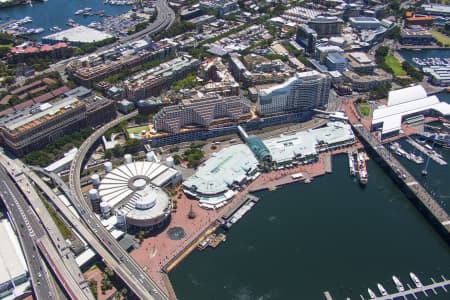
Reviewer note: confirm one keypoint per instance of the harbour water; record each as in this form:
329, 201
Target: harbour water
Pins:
330, 235
57, 12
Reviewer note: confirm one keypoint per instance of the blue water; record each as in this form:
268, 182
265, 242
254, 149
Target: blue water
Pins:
330, 235
57, 12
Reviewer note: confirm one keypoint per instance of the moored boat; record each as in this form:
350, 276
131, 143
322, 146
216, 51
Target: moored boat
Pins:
416, 280
372, 295
382, 289
398, 284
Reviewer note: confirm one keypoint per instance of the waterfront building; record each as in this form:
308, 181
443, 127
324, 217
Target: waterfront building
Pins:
336, 62
326, 26
365, 83
360, 63
36, 126
204, 112
221, 7
403, 104
76, 36
307, 37
150, 82
302, 92
135, 190
364, 23
305, 146
415, 35
25, 52
440, 75
217, 180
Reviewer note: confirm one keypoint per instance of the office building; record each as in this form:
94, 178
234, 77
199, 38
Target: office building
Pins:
323, 51
360, 63
221, 7
326, 26
365, 83
150, 82
203, 113
415, 35
307, 37
302, 92
34, 127
336, 62
364, 23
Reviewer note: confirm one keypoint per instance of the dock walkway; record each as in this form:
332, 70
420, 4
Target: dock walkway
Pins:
413, 291
426, 151
430, 205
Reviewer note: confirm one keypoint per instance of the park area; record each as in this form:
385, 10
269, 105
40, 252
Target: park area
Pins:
392, 62
440, 37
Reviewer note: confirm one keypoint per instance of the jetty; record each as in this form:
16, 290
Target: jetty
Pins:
412, 188
415, 292
431, 153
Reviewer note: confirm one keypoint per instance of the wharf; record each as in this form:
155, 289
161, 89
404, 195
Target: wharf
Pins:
430, 153
244, 200
328, 163
414, 291
217, 240
425, 201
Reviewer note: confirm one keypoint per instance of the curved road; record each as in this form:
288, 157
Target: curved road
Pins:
130, 272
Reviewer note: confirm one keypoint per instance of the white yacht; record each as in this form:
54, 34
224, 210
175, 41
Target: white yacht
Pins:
382, 289
398, 284
415, 279
371, 294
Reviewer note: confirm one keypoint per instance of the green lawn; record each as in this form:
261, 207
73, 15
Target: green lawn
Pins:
135, 130
364, 109
395, 65
440, 37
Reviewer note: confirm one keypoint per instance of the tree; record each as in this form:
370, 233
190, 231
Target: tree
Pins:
132, 146
93, 287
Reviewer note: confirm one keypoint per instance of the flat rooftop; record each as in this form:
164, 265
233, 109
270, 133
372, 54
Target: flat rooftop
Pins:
79, 34
37, 114
11, 256
304, 143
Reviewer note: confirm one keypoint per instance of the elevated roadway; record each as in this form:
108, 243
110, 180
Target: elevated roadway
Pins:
110, 250
28, 230
17, 172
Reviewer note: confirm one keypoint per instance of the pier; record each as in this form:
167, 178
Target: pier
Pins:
426, 203
416, 292
431, 153
419, 290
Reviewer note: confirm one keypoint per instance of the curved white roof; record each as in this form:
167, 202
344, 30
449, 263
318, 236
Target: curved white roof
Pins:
134, 190
406, 95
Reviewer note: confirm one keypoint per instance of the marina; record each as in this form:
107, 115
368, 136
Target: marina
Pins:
402, 293
431, 61
427, 151
57, 13
397, 149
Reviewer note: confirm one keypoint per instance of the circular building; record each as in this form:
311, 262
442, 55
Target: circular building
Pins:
135, 190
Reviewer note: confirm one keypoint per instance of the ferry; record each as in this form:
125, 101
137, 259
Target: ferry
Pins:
362, 169
372, 295
382, 289
398, 284
416, 280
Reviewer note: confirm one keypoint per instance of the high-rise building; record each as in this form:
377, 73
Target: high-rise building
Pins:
303, 92
307, 37
326, 26
336, 62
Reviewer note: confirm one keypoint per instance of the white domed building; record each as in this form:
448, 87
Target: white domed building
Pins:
135, 190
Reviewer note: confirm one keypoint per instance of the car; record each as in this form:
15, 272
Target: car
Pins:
39, 274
